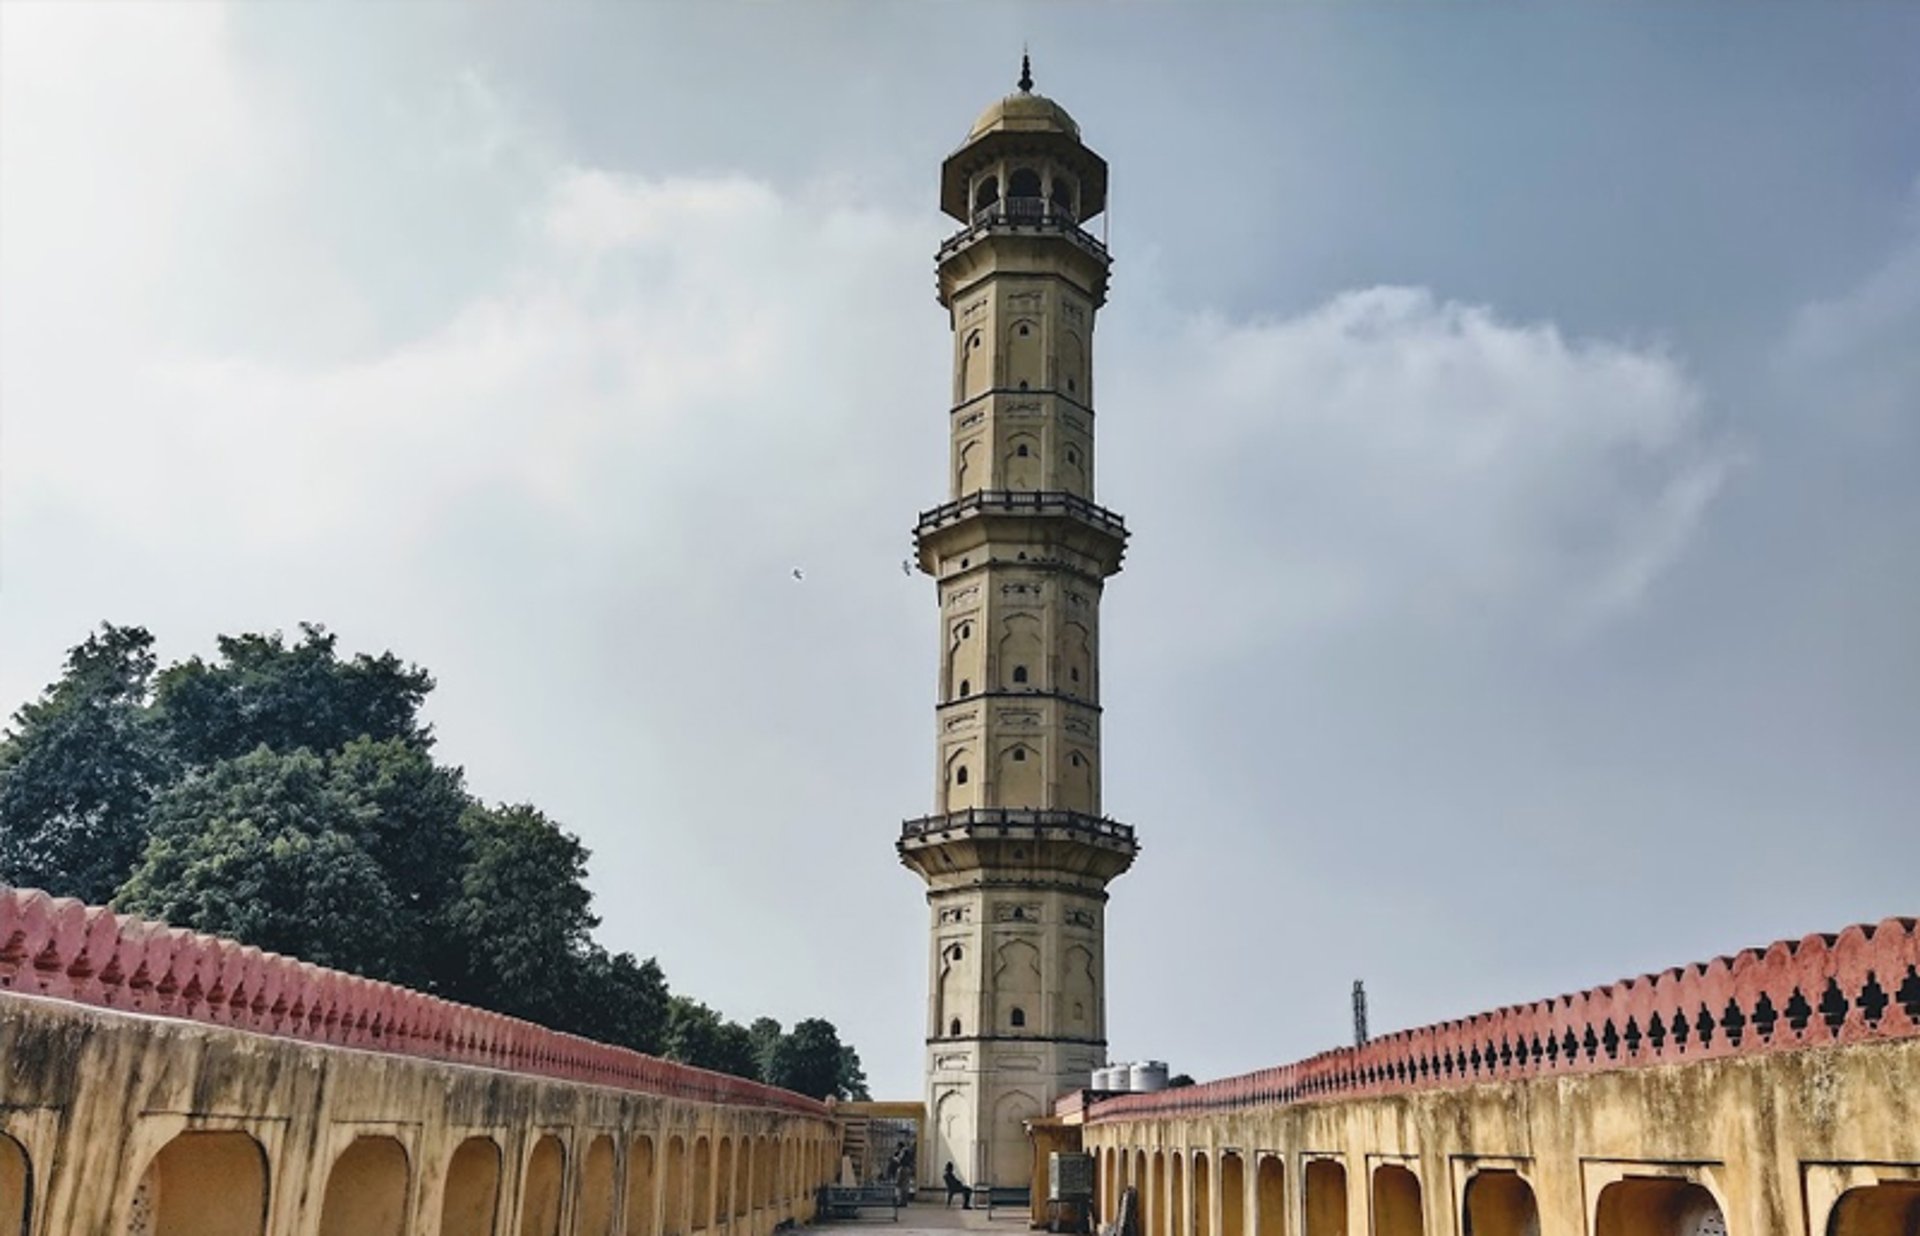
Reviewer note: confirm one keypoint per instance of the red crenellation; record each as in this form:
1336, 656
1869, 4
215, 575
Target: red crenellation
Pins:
61, 949
1859, 986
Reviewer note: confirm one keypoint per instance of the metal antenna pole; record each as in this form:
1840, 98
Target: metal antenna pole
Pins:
1359, 1013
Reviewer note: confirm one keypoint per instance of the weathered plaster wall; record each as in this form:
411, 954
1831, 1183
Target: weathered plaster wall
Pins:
1768, 1136
156, 1082
1775, 1092
356, 1142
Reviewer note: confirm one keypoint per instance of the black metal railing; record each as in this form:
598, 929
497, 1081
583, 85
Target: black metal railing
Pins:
1021, 818
1024, 210
1022, 502
1018, 213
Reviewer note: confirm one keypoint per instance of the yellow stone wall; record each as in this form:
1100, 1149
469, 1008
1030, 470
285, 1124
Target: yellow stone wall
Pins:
1773, 1141
112, 1123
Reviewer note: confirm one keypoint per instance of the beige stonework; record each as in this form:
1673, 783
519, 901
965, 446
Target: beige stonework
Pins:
1017, 855
119, 1125
1817, 1142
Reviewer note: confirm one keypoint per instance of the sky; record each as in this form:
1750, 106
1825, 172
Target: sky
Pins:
1516, 410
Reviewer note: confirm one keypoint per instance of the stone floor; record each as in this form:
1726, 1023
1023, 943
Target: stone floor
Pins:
932, 1217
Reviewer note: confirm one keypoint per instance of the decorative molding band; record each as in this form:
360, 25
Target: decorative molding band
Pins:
1861, 985
60, 949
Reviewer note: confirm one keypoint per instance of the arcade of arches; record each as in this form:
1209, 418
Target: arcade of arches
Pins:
147, 1127
1822, 1142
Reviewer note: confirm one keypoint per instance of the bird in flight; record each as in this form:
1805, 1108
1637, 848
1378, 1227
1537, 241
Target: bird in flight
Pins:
798, 573
906, 567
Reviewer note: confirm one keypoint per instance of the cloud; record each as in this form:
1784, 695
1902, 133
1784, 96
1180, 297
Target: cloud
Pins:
576, 492
1852, 357
1392, 455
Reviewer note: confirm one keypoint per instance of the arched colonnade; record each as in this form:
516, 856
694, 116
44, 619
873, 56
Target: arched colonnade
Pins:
554, 1182
1244, 1192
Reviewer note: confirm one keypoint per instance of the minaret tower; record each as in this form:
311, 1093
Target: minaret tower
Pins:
1017, 854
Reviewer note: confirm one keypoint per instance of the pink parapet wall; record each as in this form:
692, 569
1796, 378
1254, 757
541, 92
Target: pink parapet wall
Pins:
1861, 985
61, 949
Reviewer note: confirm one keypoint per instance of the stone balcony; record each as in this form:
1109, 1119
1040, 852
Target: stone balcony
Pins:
1032, 517
1023, 216
1078, 849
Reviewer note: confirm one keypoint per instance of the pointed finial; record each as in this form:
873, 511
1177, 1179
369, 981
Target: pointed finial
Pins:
1026, 73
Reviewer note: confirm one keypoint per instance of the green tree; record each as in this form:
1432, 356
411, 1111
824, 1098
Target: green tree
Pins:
522, 919
853, 1078
264, 849
407, 818
79, 769
286, 797
261, 690
736, 1052
621, 1001
765, 1034
812, 1060
699, 1036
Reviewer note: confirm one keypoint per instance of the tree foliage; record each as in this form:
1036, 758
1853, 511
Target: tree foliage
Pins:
287, 797
263, 691
263, 849
79, 769
523, 916
813, 1060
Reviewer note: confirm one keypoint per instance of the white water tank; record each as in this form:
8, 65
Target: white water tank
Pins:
1103, 1079
1147, 1075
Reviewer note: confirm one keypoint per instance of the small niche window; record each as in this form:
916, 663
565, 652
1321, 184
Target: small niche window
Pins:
960, 775
966, 688
1073, 672
1020, 755
1019, 1017
966, 628
1021, 450
953, 1028
1077, 761
963, 566
1070, 388
954, 953
1025, 330
1023, 384
1073, 456
1019, 673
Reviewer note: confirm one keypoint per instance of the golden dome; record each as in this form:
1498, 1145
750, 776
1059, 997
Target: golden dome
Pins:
1024, 113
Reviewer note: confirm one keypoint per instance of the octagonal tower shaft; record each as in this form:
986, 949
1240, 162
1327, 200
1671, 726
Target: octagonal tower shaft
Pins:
1017, 854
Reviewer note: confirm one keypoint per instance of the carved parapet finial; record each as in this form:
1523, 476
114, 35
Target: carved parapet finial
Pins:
54, 947
1858, 985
